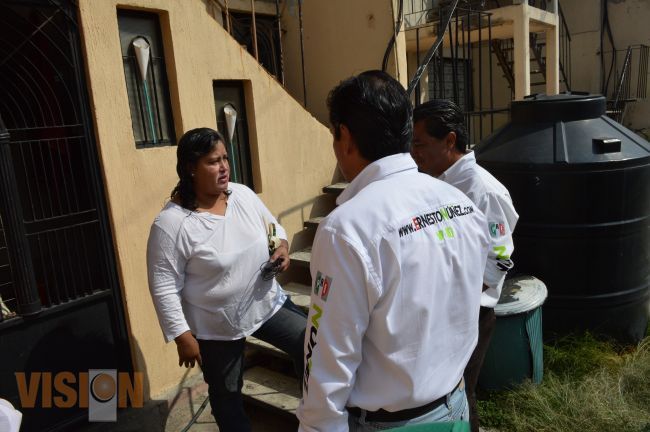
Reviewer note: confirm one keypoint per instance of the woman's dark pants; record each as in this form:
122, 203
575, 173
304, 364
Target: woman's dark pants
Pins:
223, 364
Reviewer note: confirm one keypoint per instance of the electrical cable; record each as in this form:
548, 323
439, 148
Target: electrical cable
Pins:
393, 40
433, 49
611, 42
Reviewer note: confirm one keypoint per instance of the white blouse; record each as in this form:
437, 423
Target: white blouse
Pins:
204, 269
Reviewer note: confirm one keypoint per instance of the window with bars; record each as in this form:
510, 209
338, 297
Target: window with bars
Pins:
229, 96
449, 79
54, 250
7, 293
146, 78
268, 38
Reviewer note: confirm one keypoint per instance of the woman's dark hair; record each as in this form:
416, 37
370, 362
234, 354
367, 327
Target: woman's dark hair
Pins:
376, 110
442, 116
193, 145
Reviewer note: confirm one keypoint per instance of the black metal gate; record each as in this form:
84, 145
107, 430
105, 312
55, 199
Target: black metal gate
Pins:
69, 317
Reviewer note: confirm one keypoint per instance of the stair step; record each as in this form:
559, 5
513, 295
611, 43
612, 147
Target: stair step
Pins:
301, 257
265, 348
272, 390
538, 83
313, 222
297, 289
300, 294
335, 188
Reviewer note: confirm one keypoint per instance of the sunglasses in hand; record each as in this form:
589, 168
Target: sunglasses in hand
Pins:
270, 269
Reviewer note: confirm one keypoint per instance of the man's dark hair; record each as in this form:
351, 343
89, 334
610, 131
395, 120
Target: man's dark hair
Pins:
376, 110
442, 116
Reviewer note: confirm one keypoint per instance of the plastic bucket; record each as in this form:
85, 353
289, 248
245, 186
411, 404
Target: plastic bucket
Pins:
516, 350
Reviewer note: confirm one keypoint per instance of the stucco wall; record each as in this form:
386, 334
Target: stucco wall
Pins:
341, 38
628, 19
292, 152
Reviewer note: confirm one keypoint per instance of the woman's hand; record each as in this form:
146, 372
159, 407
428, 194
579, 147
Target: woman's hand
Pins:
282, 253
188, 350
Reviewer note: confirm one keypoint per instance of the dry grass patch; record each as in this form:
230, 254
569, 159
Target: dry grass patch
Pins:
589, 385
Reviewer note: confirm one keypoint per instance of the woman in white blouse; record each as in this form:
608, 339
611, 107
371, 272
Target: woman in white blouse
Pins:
205, 253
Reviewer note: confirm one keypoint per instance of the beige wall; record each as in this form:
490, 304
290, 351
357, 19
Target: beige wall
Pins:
292, 151
341, 38
218, 6
629, 22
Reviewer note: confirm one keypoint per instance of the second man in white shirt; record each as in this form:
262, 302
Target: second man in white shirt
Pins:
439, 149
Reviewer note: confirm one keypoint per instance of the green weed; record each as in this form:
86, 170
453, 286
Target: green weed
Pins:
589, 385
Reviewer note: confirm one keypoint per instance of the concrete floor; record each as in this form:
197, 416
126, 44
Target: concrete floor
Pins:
175, 410
189, 401
175, 415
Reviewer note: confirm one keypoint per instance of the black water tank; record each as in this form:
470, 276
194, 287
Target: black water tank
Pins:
581, 185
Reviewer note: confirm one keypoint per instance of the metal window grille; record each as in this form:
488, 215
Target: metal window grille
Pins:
7, 294
149, 100
60, 217
448, 80
42, 102
268, 39
231, 92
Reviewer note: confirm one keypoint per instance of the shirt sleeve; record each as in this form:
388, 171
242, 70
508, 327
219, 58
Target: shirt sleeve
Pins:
166, 273
501, 218
338, 319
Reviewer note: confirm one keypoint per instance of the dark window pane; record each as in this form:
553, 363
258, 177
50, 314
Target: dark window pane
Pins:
232, 93
268, 39
149, 100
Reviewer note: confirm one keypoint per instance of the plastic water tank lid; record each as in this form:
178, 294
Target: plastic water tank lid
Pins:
520, 294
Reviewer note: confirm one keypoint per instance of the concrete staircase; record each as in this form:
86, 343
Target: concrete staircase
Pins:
504, 52
269, 379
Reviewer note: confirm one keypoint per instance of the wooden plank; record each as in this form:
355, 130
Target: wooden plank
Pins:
301, 257
313, 222
271, 389
335, 188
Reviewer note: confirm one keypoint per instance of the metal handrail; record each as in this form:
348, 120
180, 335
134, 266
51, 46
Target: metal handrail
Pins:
621, 80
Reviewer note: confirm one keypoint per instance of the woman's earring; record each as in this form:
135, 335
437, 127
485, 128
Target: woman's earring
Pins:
192, 174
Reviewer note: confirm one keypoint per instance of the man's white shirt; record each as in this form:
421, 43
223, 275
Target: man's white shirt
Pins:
395, 295
493, 199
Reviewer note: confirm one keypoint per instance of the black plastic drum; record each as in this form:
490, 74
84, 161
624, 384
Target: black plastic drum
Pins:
581, 185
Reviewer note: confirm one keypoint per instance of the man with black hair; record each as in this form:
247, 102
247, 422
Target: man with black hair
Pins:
394, 306
439, 149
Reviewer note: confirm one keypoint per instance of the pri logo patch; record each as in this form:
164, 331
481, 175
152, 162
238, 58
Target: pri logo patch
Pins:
322, 285
497, 229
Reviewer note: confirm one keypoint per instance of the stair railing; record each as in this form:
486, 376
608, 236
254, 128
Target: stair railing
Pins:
622, 88
565, 49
